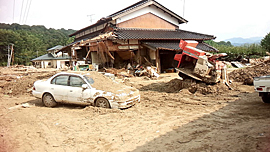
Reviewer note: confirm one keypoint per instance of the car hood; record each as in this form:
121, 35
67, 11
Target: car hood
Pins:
120, 95
127, 92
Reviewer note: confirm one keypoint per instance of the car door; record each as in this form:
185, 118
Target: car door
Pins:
59, 87
76, 93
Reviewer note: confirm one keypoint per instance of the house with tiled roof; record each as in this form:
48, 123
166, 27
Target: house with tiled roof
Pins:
53, 59
145, 32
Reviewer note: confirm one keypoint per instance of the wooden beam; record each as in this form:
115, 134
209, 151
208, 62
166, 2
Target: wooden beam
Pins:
87, 52
158, 61
139, 54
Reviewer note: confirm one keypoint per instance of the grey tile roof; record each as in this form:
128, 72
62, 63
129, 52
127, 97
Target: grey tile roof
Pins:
205, 47
174, 45
158, 34
57, 47
49, 56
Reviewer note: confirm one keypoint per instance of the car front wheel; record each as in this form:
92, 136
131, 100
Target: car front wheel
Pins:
103, 103
48, 100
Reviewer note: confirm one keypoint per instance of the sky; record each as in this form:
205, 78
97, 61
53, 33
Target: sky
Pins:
222, 18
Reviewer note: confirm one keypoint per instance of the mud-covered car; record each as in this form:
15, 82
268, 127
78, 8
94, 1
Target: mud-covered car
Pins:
76, 88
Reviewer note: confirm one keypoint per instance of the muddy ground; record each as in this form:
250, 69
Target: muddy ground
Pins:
212, 118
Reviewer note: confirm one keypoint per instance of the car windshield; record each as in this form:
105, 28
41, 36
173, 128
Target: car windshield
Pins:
88, 79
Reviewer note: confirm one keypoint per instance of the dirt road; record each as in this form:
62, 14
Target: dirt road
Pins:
233, 121
230, 121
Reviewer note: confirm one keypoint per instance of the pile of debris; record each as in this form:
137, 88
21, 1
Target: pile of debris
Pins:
19, 85
149, 71
247, 74
18, 80
14, 84
177, 85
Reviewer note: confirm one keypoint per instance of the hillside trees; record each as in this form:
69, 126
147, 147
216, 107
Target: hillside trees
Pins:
28, 40
236, 52
265, 43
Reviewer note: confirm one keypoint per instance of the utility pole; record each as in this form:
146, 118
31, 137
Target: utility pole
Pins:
8, 60
10, 54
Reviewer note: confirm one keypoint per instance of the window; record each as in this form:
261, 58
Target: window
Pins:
88, 79
76, 81
201, 61
60, 80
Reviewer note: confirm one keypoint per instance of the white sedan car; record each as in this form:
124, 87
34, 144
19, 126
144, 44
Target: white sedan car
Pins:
76, 88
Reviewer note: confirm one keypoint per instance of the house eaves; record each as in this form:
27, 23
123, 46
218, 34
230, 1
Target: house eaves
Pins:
49, 57
99, 22
174, 46
58, 47
44, 57
146, 3
159, 34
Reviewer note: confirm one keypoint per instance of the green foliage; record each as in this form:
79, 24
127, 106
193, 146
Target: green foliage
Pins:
234, 52
28, 40
265, 43
221, 43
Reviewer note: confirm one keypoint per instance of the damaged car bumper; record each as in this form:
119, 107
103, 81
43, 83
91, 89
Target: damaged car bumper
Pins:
127, 103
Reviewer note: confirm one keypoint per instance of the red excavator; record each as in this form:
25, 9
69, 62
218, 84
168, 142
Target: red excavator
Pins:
200, 65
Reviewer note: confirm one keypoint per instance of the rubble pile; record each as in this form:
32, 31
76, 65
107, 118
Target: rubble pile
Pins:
19, 79
149, 71
176, 85
20, 85
13, 83
102, 82
120, 72
247, 74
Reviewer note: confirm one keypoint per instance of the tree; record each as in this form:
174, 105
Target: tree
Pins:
265, 43
6, 38
29, 39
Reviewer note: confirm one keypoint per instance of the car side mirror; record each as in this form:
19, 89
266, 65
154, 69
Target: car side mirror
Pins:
84, 86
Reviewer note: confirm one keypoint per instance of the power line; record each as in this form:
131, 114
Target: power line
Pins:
13, 10
21, 11
184, 9
28, 11
25, 10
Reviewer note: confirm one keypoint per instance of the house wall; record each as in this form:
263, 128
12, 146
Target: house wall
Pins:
149, 21
95, 59
58, 64
53, 64
146, 10
45, 64
61, 64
